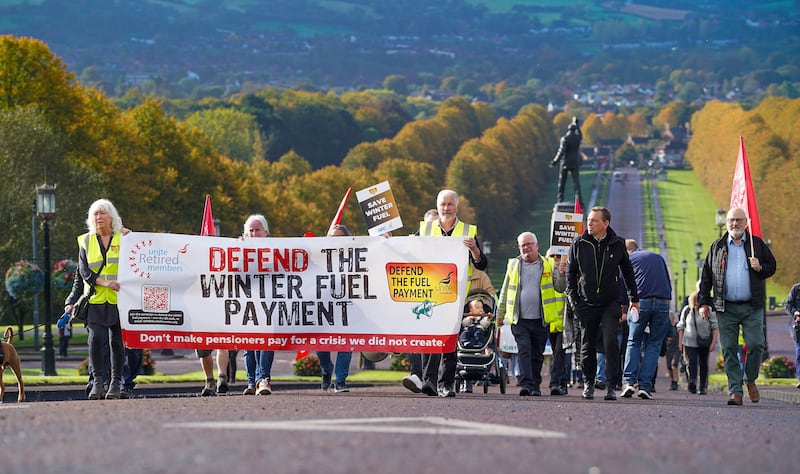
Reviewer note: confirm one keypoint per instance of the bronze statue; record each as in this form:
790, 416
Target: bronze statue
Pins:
570, 157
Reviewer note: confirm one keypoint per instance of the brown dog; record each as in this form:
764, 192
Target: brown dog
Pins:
10, 358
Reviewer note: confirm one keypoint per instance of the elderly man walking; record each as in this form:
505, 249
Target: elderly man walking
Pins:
447, 225
529, 302
735, 269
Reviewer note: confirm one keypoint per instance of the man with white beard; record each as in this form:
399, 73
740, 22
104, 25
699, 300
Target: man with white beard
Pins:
735, 268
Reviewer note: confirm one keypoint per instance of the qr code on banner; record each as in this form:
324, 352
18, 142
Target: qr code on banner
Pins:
155, 298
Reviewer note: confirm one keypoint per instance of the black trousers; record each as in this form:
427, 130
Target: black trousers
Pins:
603, 321
697, 357
558, 370
426, 367
531, 336
99, 336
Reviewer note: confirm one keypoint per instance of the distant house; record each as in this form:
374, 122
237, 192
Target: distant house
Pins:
137, 79
672, 152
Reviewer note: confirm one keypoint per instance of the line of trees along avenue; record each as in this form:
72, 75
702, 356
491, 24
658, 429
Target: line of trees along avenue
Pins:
157, 160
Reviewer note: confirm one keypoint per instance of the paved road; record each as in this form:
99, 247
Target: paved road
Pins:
385, 429
625, 203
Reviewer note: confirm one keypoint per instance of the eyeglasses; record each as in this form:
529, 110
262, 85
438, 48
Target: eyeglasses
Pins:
735, 219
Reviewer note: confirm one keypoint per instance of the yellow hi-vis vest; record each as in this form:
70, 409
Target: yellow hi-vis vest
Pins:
549, 297
561, 304
94, 258
462, 229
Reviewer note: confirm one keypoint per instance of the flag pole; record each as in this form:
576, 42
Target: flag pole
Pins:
338, 218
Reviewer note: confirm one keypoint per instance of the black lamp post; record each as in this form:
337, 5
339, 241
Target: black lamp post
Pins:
719, 218
35, 300
698, 250
217, 229
684, 267
675, 289
46, 208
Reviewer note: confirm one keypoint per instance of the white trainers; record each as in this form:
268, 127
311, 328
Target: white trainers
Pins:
263, 387
628, 391
413, 383
644, 394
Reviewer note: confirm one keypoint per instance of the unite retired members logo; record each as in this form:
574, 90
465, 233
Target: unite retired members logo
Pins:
145, 259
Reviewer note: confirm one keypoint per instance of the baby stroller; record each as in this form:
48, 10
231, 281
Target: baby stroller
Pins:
479, 360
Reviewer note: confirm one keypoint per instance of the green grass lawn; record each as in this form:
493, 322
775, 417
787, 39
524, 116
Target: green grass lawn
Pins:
689, 213
33, 377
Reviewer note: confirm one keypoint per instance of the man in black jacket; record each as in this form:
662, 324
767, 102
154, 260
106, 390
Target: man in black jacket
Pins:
596, 259
735, 268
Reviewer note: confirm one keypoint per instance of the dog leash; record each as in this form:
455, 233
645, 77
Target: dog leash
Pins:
41, 325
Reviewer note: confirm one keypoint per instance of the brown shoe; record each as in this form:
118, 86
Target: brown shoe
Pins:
736, 399
752, 392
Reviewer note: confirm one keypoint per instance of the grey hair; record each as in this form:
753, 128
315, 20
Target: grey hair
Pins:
526, 234
341, 227
447, 192
256, 217
106, 205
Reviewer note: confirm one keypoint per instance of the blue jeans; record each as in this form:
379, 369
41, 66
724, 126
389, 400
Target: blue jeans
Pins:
796, 339
342, 364
796, 352
601, 362
258, 366
641, 356
132, 367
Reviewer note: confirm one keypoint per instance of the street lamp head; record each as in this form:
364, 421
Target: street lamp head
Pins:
46, 201
217, 229
720, 217
487, 247
684, 265
698, 248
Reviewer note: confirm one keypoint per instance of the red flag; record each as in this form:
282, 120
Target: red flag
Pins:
338, 218
578, 209
208, 220
301, 354
742, 194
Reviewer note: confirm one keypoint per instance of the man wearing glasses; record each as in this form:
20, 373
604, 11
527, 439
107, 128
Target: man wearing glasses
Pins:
529, 302
596, 259
735, 268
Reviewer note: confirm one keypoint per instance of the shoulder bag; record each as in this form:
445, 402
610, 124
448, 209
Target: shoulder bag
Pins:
701, 341
80, 310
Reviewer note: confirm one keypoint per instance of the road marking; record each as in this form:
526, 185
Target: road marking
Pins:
431, 425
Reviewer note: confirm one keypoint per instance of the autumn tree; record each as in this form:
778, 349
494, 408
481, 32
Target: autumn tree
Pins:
772, 152
235, 134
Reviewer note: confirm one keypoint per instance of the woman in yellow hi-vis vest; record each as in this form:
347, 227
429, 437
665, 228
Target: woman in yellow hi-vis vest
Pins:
98, 263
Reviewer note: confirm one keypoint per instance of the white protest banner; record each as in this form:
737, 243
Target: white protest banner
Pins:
380, 210
403, 294
564, 227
